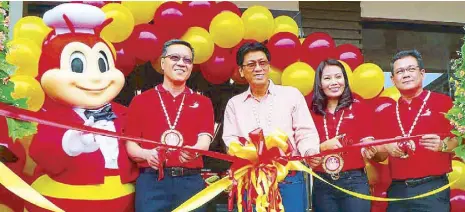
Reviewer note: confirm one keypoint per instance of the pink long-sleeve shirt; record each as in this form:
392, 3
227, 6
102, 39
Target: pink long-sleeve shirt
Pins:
283, 108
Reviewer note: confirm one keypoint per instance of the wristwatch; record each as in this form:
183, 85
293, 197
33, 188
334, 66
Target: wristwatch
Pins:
444, 144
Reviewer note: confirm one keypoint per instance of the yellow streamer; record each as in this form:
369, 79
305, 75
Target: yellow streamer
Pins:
16, 185
112, 188
256, 176
295, 165
210, 192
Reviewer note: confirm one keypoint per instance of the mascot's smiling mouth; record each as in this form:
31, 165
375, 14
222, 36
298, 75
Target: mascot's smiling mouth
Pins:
93, 89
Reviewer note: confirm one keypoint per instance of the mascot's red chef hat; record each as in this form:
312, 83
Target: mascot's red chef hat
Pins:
71, 22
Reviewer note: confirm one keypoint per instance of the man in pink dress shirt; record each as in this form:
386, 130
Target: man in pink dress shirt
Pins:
271, 107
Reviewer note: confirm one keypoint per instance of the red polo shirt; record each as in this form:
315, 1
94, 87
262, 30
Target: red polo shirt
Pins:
424, 162
356, 124
146, 119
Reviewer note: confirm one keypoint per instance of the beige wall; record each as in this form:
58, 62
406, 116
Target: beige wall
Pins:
425, 11
274, 5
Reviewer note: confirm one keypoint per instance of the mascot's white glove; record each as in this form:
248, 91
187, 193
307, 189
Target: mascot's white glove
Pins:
75, 142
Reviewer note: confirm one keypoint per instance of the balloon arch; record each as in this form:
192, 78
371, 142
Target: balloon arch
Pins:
215, 30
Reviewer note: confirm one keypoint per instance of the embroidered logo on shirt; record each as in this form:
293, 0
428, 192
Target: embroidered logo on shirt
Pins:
350, 116
195, 105
426, 113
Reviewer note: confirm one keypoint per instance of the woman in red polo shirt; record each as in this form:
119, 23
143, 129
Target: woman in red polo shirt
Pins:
341, 120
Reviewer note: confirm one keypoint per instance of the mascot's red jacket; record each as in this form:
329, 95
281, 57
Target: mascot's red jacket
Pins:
81, 171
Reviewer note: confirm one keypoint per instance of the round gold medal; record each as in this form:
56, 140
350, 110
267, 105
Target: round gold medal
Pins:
332, 164
172, 137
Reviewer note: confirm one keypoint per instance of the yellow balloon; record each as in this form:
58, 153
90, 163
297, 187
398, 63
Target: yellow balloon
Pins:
368, 80
457, 173
299, 75
275, 75
142, 11
202, 43
391, 92
25, 54
227, 29
32, 72
28, 87
285, 23
33, 28
122, 25
350, 74
258, 23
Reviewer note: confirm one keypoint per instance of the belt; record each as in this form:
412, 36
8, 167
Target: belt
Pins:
343, 173
173, 171
418, 181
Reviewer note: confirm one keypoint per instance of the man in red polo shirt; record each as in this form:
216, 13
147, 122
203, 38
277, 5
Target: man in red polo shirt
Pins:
417, 166
172, 114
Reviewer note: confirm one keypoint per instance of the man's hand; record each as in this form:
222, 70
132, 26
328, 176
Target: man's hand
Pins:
332, 143
185, 156
314, 162
369, 152
394, 150
151, 155
432, 142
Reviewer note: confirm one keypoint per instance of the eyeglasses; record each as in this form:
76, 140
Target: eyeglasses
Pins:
411, 69
263, 64
177, 58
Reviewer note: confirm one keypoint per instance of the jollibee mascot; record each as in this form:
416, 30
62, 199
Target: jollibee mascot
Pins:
80, 171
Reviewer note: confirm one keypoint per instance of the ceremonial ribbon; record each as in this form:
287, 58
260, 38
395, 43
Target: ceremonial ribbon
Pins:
258, 166
16, 185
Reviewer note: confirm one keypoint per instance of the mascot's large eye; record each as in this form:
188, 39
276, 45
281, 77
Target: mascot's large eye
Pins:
103, 62
77, 62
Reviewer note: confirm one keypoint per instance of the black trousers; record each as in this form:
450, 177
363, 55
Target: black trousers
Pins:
439, 202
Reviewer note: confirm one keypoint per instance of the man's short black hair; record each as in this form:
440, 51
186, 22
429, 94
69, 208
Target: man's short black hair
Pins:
251, 47
174, 42
407, 53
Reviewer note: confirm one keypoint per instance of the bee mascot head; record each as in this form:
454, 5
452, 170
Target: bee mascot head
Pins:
77, 67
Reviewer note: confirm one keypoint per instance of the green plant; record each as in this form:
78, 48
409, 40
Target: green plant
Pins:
16, 129
456, 114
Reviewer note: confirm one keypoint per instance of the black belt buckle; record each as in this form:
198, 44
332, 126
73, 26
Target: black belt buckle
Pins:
177, 171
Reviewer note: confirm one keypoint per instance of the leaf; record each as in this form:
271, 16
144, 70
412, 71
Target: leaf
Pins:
5, 92
460, 152
19, 129
456, 133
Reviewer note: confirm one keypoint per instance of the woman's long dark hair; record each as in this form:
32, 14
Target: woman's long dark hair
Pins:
319, 99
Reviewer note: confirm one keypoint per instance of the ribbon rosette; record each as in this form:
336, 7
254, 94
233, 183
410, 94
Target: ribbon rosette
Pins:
257, 178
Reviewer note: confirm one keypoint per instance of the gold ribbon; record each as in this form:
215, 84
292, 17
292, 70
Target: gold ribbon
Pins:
256, 175
16, 185
112, 188
295, 165
261, 175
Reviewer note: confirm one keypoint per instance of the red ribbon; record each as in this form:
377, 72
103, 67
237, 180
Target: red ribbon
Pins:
40, 118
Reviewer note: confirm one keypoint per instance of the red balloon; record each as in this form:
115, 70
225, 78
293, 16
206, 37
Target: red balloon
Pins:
457, 200
219, 68
350, 54
125, 61
227, 6
196, 68
236, 77
316, 47
172, 18
284, 49
146, 42
200, 13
